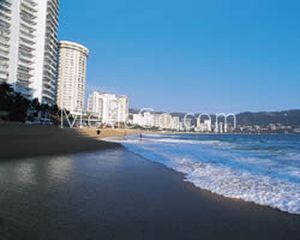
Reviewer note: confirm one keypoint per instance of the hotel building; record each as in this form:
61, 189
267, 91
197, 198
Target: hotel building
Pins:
29, 47
204, 126
111, 108
154, 120
72, 76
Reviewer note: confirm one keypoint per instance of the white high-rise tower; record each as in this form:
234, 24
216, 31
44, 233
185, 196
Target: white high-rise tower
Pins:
29, 47
72, 76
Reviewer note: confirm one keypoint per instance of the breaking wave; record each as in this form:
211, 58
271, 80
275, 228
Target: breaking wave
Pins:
226, 165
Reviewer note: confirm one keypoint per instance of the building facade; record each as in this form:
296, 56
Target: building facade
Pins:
72, 76
110, 108
29, 47
204, 125
162, 121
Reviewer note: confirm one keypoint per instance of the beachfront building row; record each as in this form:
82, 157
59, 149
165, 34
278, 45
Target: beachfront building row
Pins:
72, 76
28, 47
165, 121
110, 108
33, 61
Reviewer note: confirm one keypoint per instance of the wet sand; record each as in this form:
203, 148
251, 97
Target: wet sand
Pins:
115, 194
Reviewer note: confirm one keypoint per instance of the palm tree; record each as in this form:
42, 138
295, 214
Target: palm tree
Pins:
35, 104
6, 92
20, 105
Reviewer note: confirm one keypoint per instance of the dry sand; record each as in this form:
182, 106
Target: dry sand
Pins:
107, 132
23, 141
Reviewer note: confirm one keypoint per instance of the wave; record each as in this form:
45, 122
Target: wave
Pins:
158, 139
183, 141
217, 176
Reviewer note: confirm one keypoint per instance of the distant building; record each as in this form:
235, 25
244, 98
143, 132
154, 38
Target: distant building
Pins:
138, 119
188, 124
111, 108
148, 120
72, 76
221, 127
29, 47
165, 121
154, 120
176, 123
204, 126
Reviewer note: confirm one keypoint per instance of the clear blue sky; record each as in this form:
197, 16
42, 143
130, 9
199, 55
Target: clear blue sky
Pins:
192, 55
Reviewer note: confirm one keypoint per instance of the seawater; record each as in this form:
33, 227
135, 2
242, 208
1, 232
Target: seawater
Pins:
264, 169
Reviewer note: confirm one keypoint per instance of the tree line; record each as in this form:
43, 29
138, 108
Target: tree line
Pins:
15, 107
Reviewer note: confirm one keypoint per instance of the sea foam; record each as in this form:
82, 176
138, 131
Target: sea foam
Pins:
219, 166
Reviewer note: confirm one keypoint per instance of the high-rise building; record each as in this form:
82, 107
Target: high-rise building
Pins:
29, 47
111, 108
203, 125
72, 76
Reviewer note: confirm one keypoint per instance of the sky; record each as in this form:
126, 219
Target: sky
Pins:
193, 55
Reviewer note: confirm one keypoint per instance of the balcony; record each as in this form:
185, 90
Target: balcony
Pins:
24, 76
27, 19
25, 60
49, 80
4, 45
3, 58
5, 3
26, 6
4, 64
3, 52
4, 31
27, 42
3, 71
27, 34
25, 66
4, 39
28, 28
5, 24
25, 54
49, 88
5, 10
48, 96
28, 12
30, 2
5, 15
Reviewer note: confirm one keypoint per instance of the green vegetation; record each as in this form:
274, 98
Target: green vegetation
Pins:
15, 107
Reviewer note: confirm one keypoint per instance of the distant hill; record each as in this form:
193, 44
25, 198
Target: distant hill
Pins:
290, 117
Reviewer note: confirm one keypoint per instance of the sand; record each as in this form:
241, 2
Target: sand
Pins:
104, 133
22, 141
114, 194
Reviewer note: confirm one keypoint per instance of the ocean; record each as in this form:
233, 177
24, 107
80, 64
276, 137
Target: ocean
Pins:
264, 169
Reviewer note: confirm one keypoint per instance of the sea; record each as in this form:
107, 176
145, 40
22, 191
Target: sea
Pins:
264, 169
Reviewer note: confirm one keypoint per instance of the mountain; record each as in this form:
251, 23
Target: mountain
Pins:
290, 117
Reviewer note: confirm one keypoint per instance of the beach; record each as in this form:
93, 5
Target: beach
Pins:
108, 132
69, 186
23, 141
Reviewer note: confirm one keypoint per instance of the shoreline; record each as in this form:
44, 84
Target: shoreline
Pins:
211, 194
114, 193
119, 195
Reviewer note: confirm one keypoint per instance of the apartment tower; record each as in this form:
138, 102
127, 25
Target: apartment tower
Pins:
72, 76
111, 108
29, 47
